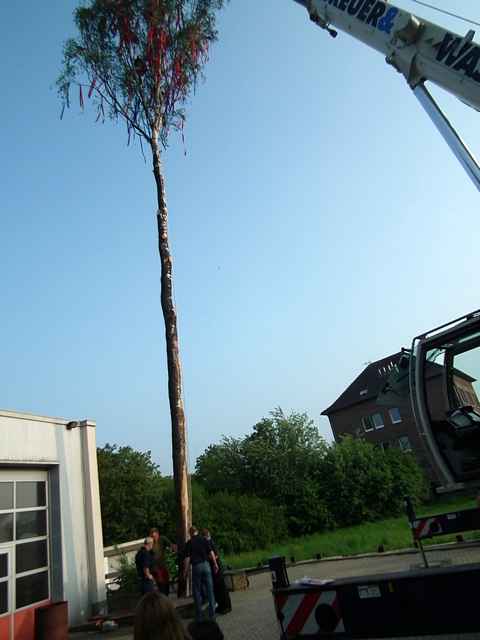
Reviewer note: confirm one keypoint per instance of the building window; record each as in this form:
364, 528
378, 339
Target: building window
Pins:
31, 588
367, 423
24, 527
373, 421
404, 444
6, 495
31, 537
6, 527
4, 574
394, 414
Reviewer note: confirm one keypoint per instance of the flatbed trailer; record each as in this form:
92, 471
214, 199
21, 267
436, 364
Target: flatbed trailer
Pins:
418, 602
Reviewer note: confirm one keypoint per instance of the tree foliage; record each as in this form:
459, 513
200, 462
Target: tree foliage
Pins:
131, 493
240, 522
279, 461
282, 479
362, 482
221, 466
285, 461
138, 60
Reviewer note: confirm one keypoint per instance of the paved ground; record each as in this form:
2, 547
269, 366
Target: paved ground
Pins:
253, 616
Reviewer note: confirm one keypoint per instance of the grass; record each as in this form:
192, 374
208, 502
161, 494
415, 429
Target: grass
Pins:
392, 533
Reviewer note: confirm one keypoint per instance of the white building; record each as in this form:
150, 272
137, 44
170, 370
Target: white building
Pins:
51, 545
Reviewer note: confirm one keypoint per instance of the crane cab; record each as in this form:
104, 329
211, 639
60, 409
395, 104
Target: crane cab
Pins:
444, 385
440, 378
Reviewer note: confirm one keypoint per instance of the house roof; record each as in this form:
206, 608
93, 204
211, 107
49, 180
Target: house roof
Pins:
365, 386
371, 381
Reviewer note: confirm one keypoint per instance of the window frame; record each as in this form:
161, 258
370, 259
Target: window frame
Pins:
17, 477
408, 449
364, 421
8, 580
391, 417
378, 426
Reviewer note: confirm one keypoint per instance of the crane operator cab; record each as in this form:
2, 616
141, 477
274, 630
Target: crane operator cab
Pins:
440, 376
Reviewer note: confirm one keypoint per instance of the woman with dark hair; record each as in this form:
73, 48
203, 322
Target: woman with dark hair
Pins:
157, 619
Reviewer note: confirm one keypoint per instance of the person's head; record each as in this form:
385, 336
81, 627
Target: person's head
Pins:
148, 543
206, 533
193, 531
154, 533
156, 619
205, 630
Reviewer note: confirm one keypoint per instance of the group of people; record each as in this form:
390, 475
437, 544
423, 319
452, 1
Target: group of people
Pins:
151, 563
201, 555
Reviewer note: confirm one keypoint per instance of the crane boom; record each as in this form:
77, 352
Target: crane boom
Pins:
419, 49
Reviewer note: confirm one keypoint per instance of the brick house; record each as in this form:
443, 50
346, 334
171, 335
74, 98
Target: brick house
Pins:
356, 412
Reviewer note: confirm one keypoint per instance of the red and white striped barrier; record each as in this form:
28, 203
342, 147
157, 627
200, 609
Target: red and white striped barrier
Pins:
424, 527
309, 613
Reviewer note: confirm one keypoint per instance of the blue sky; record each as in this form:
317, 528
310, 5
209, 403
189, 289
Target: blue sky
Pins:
318, 222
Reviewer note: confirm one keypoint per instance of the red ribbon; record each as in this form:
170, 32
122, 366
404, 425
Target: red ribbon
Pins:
92, 87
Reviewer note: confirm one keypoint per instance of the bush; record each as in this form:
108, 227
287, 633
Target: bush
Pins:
278, 462
127, 578
363, 483
408, 479
239, 523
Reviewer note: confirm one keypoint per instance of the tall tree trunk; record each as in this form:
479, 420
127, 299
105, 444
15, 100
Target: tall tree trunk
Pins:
179, 449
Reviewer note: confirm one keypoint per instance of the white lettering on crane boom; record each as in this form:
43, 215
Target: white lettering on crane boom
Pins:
372, 12
463, 58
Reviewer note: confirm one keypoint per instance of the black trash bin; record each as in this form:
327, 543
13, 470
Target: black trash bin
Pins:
279, 572
51, 621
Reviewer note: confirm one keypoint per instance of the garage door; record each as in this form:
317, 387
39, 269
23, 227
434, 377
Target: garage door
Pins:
24, 551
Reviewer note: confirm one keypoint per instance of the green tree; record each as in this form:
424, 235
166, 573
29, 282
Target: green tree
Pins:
281, 453
138, 60
238, 522
222, 466
131, 493
242, 522
279, 461
362, 482
283, 461
409, 479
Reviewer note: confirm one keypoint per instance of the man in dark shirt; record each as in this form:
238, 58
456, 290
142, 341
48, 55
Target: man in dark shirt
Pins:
144, 561
220, 591
197, 554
